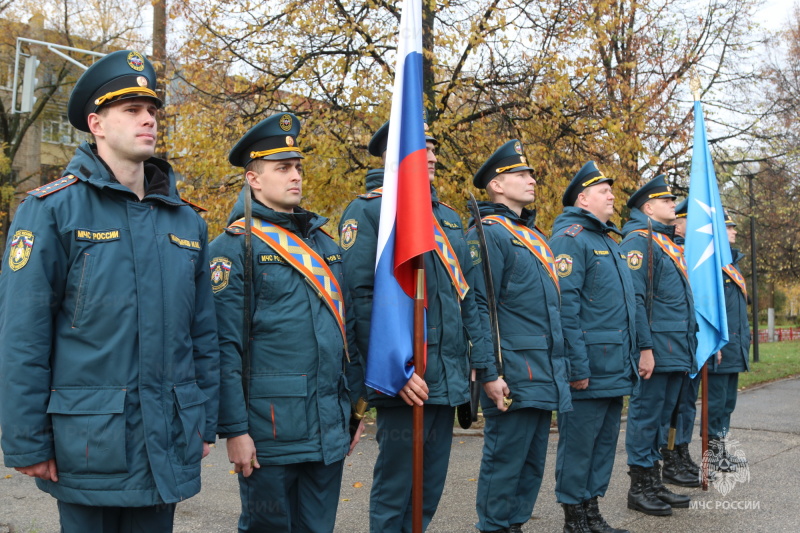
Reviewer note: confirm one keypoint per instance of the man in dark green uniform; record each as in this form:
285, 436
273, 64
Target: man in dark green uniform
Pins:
679, 469
452, 311
598, 316
534, 363
110, 362
665, 331
284, 404
723, 370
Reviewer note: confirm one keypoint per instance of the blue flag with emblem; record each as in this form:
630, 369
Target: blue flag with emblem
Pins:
707, 250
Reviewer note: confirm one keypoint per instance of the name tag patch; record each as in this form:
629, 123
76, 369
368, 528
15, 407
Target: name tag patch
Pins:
265, 259
90, 235
449, 225
335, 258
601, 252
184, 243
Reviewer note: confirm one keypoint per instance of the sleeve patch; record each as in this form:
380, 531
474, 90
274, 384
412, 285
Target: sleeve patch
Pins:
220, 273
475, 252
564, 265
635, 258
20, 249
349, 233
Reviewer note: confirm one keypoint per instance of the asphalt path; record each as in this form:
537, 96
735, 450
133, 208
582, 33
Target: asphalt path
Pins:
766, 429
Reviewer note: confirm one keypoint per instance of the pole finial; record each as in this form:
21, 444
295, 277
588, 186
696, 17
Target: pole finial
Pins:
694, 84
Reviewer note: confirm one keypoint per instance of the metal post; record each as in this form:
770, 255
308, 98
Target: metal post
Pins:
754, 282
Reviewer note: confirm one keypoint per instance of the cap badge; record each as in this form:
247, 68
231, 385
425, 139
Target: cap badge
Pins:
289, 140
141, 81
136, 61
286, 122
518, 147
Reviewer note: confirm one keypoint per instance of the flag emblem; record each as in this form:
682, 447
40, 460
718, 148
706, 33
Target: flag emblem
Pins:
563, 265
349, 233
20, 249
220, 273
635, 259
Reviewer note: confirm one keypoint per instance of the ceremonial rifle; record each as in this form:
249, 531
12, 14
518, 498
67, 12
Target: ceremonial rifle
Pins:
491, 301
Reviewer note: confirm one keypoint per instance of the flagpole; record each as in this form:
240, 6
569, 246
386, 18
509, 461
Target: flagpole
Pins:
704, 424
418, 413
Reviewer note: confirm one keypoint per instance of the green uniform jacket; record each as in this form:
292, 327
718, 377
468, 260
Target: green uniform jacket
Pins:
598, 305
528, 311
735, 354
451, 325
670, 330
299, 405
109, 358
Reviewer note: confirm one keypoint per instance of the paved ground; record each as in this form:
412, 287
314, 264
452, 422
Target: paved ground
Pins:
766, 425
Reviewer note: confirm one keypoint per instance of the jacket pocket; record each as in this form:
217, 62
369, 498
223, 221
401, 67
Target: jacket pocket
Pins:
604, 349
278, 407
89, 430
188, 436
526, 358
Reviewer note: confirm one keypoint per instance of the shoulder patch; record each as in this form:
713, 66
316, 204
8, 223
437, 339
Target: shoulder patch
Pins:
573, 230
19, 249
371, 194
635, 258
220, 273
53, 186
325, 232
349, 233
563, 265
196, 207
448, 206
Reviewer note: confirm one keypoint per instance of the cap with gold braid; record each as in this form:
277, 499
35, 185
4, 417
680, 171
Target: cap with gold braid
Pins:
118, 76
587, 176
272, 139
380, 139
682, 208
655, 188
728, 220
507, 158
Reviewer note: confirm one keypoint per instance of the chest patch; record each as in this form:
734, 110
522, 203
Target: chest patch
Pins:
89, 235
517, 242
184, 243
449, 225
563, 265
220, 273
333, 258
265, 259
475, 252
601, 252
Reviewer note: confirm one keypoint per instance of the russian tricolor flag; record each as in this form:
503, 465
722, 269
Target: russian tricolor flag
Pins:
406, 223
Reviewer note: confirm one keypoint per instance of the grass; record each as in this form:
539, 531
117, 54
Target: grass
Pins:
776, 360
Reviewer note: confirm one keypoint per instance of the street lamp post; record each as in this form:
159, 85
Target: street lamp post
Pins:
752, 169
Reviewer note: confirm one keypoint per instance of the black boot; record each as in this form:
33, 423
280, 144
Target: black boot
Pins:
718, 461
678, 501
596, 522
574, 519
641, 496
674, 472
689, 465
515, 528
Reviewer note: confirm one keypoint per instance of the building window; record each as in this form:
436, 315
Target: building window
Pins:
58, 130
